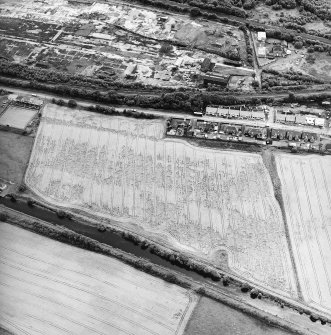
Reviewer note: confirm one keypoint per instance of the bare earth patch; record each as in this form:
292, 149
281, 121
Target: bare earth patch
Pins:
47, 287
200, 200
307, 197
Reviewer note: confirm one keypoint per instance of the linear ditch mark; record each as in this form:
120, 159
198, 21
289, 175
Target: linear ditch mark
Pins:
269, 161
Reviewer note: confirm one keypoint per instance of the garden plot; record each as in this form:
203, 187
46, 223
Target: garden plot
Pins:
202, 201
17, 117
47, 287
307, 195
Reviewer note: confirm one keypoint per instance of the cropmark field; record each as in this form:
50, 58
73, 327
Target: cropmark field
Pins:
307, 195
47, 287
204, 201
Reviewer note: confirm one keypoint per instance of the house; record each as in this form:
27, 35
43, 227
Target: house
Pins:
261, 51
246, 114
234, 112
319, 122
311, 137
277, 49
223, 111
280, 117
290, 118
300, 119
273, 41
179, 61
261, 36
211, 111
278, 133
310, 120
293, 135
131, 68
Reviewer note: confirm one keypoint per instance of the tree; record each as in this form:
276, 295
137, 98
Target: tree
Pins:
255, 84
166, 48
22, 188
194, 12
72, 103
298, 44
291, 96
254, 293
3, 217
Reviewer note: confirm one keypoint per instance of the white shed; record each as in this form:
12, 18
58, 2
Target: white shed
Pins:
261, 36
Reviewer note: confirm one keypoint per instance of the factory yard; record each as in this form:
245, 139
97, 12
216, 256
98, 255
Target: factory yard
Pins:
306, 184
47, 287
114, 41
203, 201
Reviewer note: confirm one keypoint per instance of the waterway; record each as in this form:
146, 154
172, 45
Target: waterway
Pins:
107, 237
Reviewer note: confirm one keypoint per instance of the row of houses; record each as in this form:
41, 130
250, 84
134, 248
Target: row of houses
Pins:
300, 119
293, 135
237, 112
207, 129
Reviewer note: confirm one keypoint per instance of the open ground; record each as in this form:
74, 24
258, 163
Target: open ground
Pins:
17, 117
14, 156
47, 287
209, 317
202, 201
306, 187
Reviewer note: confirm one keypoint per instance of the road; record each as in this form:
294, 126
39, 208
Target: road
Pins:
174, 113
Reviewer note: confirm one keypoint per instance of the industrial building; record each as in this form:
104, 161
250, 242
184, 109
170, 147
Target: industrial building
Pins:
211, 78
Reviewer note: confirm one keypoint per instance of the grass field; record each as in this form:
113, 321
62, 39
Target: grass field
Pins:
307, 195
200, 200
213, 318
47, 287
17, 117
14, 155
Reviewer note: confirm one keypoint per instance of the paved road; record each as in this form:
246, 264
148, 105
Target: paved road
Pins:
174, 113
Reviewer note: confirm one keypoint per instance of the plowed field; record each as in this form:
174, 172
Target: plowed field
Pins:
307, 195
201, 200
47, 287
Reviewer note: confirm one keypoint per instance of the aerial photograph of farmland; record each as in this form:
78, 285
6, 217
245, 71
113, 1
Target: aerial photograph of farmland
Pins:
165, 167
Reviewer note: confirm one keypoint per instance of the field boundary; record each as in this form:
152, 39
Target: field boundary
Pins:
269, 161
